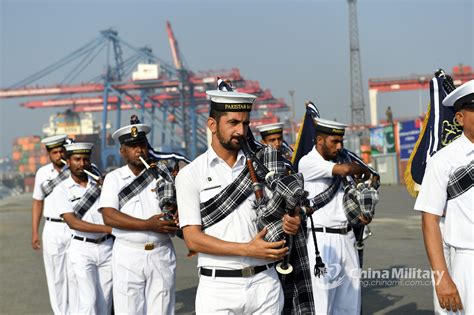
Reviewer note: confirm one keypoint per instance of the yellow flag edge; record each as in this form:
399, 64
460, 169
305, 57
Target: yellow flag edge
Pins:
409, 182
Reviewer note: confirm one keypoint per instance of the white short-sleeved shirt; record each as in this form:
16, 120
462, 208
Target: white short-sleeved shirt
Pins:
459, 222
67, 195
46, 173
317, 173
142, 206
201, 180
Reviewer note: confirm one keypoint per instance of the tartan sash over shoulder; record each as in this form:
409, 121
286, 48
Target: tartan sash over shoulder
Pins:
155, 172
327, 195
461, 180
221, 205
286, 189
87, 200
48, 186
89, 197
135, 187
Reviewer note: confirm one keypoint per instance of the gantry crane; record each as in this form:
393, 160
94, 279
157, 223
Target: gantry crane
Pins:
460, 74
175, 101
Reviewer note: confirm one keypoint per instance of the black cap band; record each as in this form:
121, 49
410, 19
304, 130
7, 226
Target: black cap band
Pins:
271, 132
79, 151
227, 107
330, 131
130, 138
467, 101
56, 145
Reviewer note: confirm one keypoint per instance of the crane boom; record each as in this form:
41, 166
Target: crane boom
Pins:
174, 47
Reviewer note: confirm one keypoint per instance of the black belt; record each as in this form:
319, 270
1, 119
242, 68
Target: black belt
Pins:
54, 220
333, 231
246, 272
92, 240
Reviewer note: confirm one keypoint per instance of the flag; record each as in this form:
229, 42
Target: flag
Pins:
439, 129
305, 139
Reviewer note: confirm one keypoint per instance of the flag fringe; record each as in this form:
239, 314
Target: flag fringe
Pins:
298, 138
409, 181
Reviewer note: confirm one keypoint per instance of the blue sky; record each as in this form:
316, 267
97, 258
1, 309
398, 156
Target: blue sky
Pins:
286, 45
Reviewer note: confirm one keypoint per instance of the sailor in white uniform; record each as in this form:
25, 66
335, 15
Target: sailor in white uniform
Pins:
143, 256
338, 291
448, 187
272, 134
56, 234
236, 266
90, 251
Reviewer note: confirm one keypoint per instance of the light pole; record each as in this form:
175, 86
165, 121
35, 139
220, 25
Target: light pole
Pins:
292, 95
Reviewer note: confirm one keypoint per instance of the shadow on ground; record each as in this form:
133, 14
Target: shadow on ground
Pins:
185, 301
376, 300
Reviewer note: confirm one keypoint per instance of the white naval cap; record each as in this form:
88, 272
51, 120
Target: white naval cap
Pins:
270, 129
225, 99
54, 141
461, 97
329, 127
79, 148
134, 133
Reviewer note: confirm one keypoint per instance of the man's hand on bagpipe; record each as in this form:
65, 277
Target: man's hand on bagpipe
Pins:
259, 248
169, 211
157, 224
291, 224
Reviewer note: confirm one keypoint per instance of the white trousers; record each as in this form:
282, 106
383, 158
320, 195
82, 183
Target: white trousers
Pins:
91, 269
462, 266
447, 255
56, 237
258, 294
338, 292
144, 281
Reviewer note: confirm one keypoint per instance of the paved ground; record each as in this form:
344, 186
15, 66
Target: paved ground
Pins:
396, 244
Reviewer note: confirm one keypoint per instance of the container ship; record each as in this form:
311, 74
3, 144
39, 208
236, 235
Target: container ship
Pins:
29, 154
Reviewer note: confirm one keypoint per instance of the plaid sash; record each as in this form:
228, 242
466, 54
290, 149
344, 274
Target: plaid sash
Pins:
49, 185
461, 181
136, 186
157, 171
87, 200
327, 195
221, 205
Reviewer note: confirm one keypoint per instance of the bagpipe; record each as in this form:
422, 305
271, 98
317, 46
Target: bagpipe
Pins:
360, 195
439, 129
270, 170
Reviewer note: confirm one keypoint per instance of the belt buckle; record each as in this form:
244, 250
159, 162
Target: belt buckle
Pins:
248, 271
149, 246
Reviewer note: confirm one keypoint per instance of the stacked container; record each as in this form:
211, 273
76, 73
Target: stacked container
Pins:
28, 154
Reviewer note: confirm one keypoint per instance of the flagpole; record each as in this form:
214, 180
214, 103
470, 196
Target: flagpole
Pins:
292, 94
